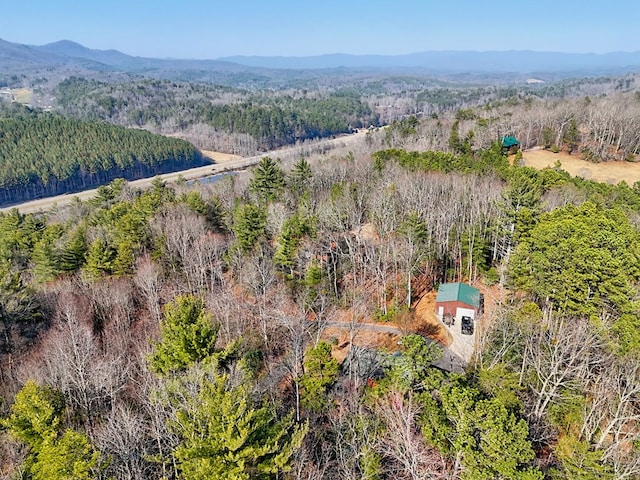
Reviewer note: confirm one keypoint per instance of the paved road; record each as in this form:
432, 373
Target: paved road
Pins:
44, 204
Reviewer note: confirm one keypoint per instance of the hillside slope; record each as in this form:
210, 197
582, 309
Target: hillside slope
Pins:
43, 155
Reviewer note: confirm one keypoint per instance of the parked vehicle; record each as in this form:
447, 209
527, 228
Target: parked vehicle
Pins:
467, 326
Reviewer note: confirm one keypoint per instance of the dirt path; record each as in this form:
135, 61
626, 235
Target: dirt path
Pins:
372, 327
426, 322
451, 361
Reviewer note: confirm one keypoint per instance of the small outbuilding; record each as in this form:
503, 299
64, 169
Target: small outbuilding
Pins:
510, 144
457, 300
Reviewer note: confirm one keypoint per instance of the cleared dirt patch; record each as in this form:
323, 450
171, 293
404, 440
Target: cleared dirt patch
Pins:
219, 157
421, 319
426, 323
606, 172
363, 338
22, 95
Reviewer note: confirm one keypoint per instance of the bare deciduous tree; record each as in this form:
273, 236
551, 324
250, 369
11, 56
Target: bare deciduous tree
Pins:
402, 444
123, 436
204, 264
180, 228
148, 280
73, 361
559, 356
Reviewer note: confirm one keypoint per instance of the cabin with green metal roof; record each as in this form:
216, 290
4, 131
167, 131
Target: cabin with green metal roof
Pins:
457, 300
510, 144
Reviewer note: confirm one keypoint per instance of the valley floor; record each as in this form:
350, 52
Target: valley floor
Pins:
223, 162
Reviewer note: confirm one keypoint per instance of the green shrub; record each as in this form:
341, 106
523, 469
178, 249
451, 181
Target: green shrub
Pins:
492, 276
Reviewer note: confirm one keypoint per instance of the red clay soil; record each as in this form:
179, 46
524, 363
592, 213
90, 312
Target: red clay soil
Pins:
425, 321
420, 319
363, 338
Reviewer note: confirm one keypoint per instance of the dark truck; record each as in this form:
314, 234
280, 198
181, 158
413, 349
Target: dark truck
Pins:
467, 326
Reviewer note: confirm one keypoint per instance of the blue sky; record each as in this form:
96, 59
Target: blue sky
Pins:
216, 28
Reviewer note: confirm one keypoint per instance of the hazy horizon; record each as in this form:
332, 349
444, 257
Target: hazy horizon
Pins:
197, 29
329, 53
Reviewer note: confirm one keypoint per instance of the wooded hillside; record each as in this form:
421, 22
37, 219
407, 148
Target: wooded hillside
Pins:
596, 117
189, 332
270, 119
44, 155
276, 323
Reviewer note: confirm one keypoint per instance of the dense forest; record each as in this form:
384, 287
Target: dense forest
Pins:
186, 332
269, 119
44, 154
593, 114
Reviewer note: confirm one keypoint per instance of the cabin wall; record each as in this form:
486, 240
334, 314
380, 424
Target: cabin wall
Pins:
456, 309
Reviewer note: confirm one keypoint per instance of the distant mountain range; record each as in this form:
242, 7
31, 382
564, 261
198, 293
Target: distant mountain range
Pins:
114, 58
518, 61
67, 53
69, 49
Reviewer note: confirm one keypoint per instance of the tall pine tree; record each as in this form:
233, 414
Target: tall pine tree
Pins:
299, 178
225, 433
268, 180
188, 337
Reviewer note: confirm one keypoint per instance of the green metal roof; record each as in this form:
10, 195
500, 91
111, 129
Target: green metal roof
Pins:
461, 292
510, 141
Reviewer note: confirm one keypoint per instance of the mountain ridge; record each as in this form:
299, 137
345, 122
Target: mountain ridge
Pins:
523, 61
68, 52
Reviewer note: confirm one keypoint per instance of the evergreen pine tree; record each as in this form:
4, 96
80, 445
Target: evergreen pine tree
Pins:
268, 180
45, 260
100, 259
70, 456
225, 434
299, 178
73, 255
36, 414
188, 336
572, 135
35, 420
320, 372
125, 258
249, 224
293, 229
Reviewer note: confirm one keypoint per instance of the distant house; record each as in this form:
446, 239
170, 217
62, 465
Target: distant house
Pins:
457, 300
510, 143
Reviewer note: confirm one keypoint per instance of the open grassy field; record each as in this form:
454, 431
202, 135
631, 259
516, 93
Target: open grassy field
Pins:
607, 172
22, 95
219, 157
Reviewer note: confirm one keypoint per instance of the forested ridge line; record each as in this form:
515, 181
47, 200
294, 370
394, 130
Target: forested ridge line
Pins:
593, 117
43, 154
253, 121
599, 129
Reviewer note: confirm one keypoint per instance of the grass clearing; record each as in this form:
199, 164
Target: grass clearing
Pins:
606, 172
22, 95
219, 157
